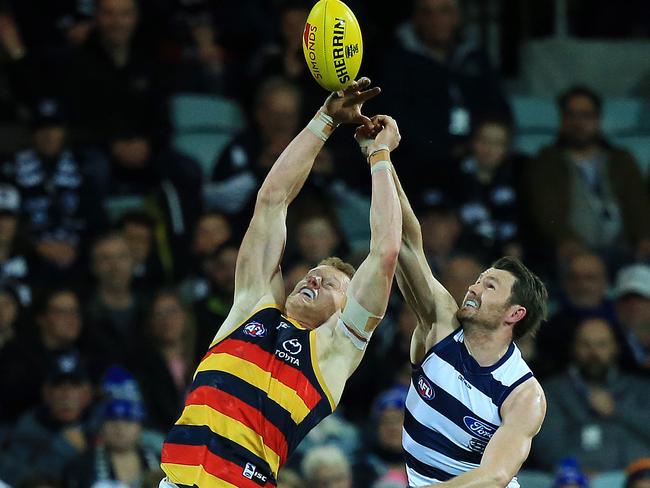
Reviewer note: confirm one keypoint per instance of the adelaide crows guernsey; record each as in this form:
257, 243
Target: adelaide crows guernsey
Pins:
255, 395
452, 409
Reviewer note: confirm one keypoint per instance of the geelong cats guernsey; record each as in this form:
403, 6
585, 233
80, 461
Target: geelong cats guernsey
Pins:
452, 409
255, 395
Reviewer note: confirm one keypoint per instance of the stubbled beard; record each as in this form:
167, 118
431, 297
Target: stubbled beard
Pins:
594, 372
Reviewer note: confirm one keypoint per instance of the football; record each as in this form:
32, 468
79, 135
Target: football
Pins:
332, 44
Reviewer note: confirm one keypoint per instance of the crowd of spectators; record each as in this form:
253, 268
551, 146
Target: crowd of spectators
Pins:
117, 250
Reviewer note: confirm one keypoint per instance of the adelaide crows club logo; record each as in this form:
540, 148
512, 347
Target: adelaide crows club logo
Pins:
255, 329
425, 389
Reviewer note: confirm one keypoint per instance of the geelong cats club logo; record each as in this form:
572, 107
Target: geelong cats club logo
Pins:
255, 329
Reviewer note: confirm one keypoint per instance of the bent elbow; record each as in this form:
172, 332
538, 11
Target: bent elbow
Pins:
388, 258
268, 196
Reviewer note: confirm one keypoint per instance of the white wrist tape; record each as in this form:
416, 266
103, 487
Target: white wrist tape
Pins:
358, 322
322, 125
380, 166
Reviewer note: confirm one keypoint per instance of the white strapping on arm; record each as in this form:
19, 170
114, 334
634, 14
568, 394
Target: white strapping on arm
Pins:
358, 323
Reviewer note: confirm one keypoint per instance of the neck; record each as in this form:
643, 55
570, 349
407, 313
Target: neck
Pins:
113, 297
119, 54
486, 346
53, 343
584, 153
172, 349
484, 175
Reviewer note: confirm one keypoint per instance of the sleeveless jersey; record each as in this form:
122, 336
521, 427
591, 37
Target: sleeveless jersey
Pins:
452, 409
255, 395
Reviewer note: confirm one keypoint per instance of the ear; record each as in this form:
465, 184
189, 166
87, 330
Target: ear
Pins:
515, 314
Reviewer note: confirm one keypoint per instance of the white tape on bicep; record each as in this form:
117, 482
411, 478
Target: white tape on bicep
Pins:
360, 322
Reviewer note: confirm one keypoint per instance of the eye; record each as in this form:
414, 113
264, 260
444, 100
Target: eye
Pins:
491, 286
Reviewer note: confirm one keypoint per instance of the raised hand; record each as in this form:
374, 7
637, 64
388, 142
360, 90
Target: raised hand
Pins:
383, 131
345, 105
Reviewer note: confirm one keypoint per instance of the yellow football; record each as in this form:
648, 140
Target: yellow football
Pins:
332, 44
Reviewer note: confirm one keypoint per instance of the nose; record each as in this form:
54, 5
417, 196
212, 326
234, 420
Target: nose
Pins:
474, 289
314, 281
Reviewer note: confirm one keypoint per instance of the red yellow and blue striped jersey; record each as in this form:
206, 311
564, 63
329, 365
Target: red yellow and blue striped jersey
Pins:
255, 395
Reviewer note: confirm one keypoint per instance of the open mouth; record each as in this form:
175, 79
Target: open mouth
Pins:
308, 293
471, 303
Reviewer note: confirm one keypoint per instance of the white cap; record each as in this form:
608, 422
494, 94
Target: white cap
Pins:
634, 279
9, 198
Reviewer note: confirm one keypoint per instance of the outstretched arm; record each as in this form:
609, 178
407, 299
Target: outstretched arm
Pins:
369, 290
434, 307
257, 273
522, 415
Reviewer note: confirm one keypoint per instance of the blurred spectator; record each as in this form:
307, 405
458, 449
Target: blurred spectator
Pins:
632, 293
47, 438
334, 430
318, 237
9, 309
595, 413
26, 359
39, 482
638, 474
139, 230
569, 475
152, 478
461, 84
118, 457
212, 310
459, 273
583, 294
166, 361
59, 211
287, 478
326, 467
114, 309
14, 265
598, 200
293, 275
211, 232
116, 74
143, 176
286, 59
239, 171
486, 191
383, 459
441, 231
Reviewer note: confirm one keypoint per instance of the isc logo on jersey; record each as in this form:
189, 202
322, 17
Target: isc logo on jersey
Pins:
425, 389
255, 329
332, 44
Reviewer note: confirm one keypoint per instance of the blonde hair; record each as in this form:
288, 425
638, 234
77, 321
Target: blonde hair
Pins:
339, 264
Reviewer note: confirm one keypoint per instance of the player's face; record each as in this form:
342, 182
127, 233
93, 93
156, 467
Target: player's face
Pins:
486, 301
319, 295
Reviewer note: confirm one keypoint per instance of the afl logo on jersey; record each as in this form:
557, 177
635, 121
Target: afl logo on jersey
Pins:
255, 329
425, 389
478, 428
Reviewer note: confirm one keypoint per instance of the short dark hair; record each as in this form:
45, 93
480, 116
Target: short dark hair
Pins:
529, 292
579, 91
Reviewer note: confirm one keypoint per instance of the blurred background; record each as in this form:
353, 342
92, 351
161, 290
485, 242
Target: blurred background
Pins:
134, 135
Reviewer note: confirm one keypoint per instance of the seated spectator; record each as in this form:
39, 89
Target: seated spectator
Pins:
58, 209
632, 293
118, 457
139, 230
287, 478
459, 273
9, 309
384, 458
334, 430
26, 359
461, 83
598, 201
569, 475
638, 474
583, 294
47, 438
243, 164
318, 237
14, 263
114, 309
486, 191
211, 311
441, 232
166, 361
326, 466
596, 413
116, 72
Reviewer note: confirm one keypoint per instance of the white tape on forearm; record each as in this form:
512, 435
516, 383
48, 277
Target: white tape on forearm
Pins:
322, 125
358, 343
381, 166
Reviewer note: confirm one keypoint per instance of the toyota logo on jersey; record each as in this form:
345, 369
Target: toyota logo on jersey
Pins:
255, 329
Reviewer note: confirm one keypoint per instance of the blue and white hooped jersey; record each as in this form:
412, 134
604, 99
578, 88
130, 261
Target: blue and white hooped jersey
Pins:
452, 409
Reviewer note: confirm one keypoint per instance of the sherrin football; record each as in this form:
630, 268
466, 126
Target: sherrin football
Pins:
332, 44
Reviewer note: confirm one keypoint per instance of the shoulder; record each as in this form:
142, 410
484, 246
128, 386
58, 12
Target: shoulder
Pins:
526, 403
